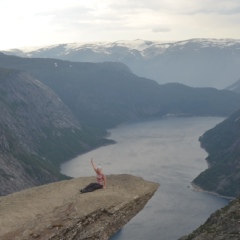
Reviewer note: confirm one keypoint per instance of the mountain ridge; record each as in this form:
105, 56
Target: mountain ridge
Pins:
134, 103
37, 133
96, 96
194, 62
235, 87
137, 44
116, 94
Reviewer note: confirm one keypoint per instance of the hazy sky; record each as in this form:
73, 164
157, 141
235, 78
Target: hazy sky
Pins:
34, 23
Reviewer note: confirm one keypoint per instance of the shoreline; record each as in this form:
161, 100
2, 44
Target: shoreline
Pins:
199, 189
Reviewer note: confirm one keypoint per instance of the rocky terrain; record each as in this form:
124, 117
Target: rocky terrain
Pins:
27, 105
224, 224
37, 132
59, 211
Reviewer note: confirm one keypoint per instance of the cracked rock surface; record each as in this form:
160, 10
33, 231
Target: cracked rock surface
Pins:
59, 211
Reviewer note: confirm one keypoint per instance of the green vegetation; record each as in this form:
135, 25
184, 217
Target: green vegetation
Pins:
62, 145
37, 168
5, 73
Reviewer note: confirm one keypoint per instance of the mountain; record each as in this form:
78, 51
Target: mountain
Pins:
223, 224
53, 110
37, 132
102, 95
235, 87
223, 146
194, 62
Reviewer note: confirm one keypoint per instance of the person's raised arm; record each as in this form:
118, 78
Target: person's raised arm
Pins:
94, 167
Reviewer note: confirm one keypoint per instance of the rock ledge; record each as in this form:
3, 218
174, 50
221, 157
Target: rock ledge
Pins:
59, 211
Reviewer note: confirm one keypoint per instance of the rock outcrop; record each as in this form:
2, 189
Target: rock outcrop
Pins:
59, 211
224, 224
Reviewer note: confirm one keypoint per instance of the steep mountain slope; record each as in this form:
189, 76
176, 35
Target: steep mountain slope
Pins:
37, 132
223, 224
235, 87
194, 62
103, 95
223, 146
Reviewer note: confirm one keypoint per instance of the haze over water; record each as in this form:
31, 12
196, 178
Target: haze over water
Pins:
165, 151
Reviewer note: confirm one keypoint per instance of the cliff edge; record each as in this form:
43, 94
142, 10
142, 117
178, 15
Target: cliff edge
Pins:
59, 211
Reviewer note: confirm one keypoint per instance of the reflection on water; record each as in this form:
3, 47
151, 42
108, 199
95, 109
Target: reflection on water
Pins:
165, 151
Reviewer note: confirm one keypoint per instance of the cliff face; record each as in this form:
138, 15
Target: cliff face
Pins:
223, 146
224, 224
27, 110
29, 106
37, 132
59, 211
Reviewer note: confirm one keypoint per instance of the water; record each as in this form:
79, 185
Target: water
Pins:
165, 151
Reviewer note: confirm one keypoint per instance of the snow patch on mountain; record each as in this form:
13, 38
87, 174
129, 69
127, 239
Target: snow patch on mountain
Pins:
138, 44
235, 87
200, 62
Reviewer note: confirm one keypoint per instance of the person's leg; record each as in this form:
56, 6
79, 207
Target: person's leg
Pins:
89, 186
93, 187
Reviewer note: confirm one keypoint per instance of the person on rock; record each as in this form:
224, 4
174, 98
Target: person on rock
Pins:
101, 180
